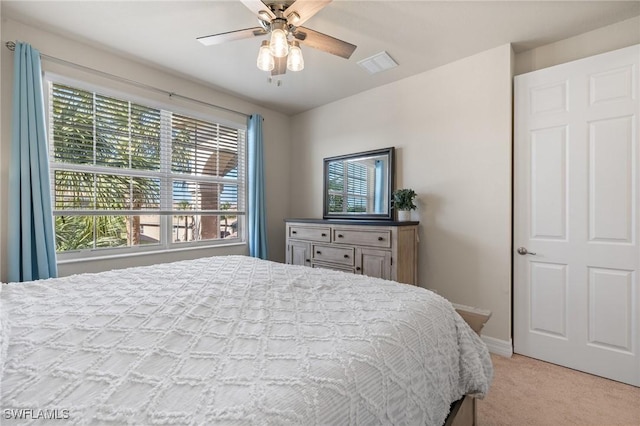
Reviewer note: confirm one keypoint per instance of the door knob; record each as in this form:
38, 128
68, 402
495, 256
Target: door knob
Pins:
522, 251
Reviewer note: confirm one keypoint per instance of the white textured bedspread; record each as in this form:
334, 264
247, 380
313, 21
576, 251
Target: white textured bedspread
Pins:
234, 340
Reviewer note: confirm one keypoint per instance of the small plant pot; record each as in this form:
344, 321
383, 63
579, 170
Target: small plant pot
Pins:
404, 215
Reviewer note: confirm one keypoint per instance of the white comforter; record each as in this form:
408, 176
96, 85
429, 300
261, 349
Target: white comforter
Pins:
234, 340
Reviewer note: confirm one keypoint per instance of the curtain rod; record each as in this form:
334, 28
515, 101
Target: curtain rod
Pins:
12, 46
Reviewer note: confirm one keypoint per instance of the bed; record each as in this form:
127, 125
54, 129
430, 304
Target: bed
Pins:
234, 340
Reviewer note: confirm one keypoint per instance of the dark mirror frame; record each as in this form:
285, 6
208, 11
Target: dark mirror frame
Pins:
390, 179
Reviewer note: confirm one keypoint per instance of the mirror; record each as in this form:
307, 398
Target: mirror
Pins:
358, 186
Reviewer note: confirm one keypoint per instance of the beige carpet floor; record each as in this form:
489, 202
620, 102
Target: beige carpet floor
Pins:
529, 392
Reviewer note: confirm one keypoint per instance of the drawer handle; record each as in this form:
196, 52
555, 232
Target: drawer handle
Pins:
340, 236
357, 268
346, 256
307, 260
380, 238
324, 235
294, 232
318, 252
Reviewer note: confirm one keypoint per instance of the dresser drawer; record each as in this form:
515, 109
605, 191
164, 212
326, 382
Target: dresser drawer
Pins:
310, 233
342, 268
359, 237
333, 254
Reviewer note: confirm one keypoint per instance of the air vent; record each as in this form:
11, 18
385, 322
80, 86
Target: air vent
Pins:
378, 63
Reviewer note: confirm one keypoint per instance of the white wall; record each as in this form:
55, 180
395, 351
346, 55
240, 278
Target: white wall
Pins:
605, 39
452, 130
276, 132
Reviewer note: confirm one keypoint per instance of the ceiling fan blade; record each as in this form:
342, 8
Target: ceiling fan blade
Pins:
260, 9
231, 36
304, 10
324, 42
281, 66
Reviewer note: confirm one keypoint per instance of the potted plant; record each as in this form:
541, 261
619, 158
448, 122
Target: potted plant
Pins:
403, 203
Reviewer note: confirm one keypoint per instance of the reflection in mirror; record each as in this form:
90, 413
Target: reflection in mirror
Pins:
358, 186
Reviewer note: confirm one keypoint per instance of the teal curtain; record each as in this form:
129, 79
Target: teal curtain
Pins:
256, 209
31, 238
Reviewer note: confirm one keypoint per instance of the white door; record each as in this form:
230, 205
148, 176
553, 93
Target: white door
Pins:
576, 215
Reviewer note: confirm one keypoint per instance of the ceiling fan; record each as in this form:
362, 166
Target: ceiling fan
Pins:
282, 19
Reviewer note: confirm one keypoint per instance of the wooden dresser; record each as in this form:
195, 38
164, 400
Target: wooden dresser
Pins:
380, 249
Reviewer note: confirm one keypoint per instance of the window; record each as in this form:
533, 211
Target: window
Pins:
126, 176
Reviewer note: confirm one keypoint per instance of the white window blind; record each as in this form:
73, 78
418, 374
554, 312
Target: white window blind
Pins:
128, 176
348, 187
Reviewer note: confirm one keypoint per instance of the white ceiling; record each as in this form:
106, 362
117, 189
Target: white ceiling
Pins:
419, 35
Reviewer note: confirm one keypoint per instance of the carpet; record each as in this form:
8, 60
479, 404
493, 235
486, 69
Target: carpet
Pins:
527, 391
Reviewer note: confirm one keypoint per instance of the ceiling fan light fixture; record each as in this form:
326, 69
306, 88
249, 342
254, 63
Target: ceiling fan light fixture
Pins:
295, 61
265, 59
279, 45
281, 20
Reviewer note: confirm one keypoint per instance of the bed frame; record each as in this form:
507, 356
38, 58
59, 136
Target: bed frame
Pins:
463, 411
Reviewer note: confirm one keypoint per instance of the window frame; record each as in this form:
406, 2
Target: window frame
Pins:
166, 212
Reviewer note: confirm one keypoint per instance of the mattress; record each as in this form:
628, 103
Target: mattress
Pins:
234, 340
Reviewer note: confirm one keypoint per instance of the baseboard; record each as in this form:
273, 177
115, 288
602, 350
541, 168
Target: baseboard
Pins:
499, 347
